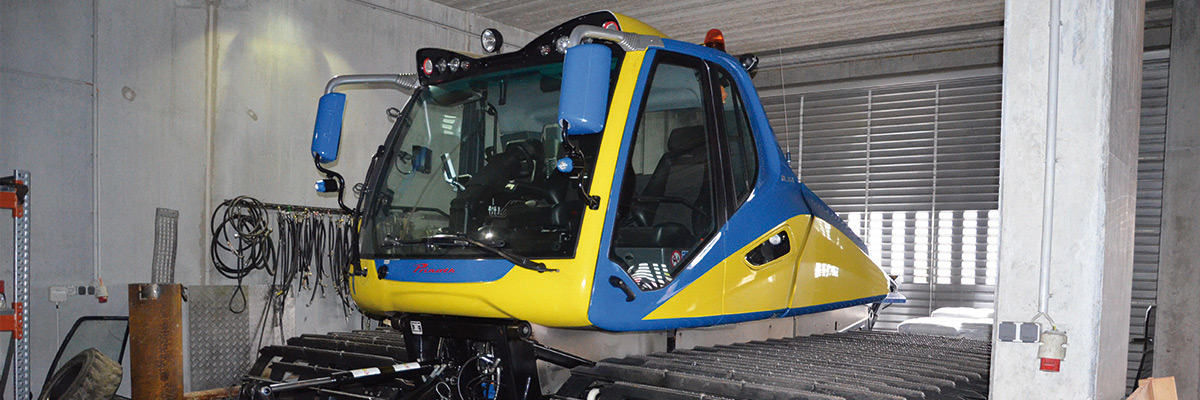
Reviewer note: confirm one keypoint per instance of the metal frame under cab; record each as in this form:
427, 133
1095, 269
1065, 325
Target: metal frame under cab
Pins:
14, 195
438, 348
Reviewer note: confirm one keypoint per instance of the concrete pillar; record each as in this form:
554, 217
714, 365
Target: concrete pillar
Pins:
1093, 196
1177, 334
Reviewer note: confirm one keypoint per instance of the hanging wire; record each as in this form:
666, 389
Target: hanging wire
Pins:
242, 234
301, 248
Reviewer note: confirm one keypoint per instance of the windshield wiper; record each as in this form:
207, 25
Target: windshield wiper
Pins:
464, 241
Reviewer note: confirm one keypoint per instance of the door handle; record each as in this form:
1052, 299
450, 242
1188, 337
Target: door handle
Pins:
620, 284
773, 248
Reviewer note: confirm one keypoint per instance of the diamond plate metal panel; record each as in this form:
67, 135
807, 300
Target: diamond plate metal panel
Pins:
221, 343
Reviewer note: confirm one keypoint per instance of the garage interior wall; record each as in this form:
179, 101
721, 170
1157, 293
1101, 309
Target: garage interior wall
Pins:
184, 104
120, 107
910, 158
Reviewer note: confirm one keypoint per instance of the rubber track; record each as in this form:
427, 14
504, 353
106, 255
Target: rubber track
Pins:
852, 365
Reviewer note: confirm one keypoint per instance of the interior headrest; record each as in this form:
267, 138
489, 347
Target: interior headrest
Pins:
685, 138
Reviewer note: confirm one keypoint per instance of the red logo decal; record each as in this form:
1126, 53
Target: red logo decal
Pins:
424, 269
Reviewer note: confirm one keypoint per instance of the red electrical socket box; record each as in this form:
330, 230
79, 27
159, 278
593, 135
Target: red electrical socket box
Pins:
1050, 364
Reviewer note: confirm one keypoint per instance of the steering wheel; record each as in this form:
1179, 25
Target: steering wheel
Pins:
528, 159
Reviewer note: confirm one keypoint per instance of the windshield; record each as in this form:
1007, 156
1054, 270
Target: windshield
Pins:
476, 157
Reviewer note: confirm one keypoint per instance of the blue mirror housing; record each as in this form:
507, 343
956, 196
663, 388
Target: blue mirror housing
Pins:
583, 101
328, 130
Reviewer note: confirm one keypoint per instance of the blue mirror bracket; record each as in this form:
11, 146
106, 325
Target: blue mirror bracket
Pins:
327, 131
572, 164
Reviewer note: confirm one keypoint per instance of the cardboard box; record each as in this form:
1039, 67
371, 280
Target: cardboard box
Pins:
1155, 389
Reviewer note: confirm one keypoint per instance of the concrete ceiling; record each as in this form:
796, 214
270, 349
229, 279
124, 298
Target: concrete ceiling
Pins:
754, 25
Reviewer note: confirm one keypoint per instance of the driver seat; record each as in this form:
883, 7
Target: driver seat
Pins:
681, 173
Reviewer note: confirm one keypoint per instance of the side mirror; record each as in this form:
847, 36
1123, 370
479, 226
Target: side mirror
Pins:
328, 130
583, 101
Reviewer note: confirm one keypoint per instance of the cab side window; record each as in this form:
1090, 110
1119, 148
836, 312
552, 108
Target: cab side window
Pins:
737, 137
667, 202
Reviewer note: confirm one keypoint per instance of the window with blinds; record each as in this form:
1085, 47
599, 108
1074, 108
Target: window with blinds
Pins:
915, 170
1152, 140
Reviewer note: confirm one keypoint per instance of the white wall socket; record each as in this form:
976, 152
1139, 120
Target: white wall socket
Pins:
59, 294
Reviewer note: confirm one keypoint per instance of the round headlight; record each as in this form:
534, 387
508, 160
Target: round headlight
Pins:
561, 43
441, 65
454, 63
491, 40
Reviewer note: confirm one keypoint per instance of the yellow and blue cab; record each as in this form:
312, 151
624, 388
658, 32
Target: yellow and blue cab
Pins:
602, 176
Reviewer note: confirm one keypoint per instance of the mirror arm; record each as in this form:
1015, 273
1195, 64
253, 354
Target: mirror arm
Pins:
407, 83
341, 191
573, 152
627, 40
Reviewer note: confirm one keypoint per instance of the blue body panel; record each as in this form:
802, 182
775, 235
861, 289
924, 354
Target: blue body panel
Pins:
822, 211
776, 197
446, 270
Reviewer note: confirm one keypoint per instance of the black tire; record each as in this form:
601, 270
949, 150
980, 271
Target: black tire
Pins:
88, 375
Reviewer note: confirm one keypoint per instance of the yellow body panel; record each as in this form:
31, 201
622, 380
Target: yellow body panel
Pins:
557, 299
767, 287
701, 298
834, 269
823, 267
632, 25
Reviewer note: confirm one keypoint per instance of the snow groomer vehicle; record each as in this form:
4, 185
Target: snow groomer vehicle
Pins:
602, 177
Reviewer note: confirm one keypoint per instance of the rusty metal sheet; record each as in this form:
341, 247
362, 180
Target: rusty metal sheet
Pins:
156, 341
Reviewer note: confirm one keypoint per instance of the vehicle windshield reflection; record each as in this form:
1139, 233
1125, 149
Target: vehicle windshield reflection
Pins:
497, 141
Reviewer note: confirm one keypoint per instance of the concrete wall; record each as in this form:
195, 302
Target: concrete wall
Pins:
1091, 254
187, 103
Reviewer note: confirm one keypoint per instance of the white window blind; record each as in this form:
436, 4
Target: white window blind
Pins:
1151, 149
913, 168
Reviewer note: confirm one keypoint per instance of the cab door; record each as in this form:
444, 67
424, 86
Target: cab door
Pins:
760, 272
673, 199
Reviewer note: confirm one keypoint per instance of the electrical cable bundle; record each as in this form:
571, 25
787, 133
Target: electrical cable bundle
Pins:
315, 247
305, 248
243, 234
343, 258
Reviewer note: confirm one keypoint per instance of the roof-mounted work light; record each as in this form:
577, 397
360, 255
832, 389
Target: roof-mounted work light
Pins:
492, 40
